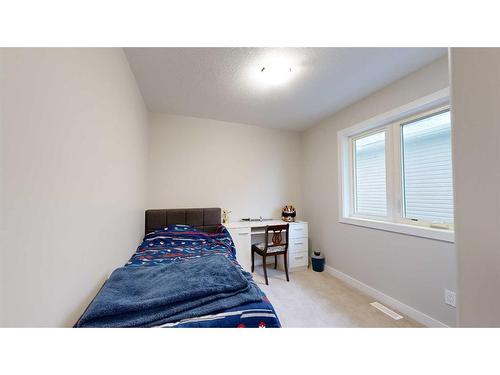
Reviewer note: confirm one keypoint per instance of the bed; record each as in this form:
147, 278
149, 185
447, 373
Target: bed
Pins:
181, 245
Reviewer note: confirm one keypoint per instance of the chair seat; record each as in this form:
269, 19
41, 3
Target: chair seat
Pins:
270, 250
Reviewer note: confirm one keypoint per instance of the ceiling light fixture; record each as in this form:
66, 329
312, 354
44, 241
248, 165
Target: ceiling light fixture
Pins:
276, 73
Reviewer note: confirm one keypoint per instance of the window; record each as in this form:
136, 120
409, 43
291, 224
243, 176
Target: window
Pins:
396, 172
427, 173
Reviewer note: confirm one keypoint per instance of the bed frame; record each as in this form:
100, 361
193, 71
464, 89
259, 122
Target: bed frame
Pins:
205, 219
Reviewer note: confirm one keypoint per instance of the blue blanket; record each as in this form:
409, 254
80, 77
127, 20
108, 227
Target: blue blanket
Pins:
151, 296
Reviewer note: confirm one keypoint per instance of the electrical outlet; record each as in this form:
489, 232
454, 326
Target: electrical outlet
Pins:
450, 298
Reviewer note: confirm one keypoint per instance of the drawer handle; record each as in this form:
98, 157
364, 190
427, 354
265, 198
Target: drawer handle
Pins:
299, 229
243, 234
298, 243
299, 257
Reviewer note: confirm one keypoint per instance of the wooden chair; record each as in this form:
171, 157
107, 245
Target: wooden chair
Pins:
277, 246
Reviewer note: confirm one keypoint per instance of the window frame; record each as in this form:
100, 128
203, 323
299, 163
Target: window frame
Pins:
391, 122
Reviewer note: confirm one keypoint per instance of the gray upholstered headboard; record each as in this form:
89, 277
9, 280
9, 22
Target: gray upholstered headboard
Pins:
205, 219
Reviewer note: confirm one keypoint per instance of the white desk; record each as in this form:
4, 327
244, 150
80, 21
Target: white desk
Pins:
245, 233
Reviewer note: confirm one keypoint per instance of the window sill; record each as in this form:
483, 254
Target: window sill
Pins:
412, 230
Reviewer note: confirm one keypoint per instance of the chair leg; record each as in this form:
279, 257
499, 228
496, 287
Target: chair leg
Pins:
253, 260
275, 261
285, 256
264, 264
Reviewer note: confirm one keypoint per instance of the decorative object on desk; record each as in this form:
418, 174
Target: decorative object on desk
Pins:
288, 213
225, 216
318, 261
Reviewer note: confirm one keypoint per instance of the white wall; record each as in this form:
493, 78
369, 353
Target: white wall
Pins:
475, 77
73, 172
250, 170
2, 260
414, 271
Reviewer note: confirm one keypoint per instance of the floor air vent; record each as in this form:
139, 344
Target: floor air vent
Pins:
394, 315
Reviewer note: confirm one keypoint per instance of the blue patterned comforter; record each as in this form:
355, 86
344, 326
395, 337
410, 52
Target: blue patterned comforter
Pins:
179, 243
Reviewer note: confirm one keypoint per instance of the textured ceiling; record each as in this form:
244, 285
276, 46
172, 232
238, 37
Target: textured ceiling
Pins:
223, 83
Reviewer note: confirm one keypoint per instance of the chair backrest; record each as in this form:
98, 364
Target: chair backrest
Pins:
277, 235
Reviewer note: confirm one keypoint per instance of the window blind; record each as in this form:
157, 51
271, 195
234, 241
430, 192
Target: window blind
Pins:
370, 176
427, 169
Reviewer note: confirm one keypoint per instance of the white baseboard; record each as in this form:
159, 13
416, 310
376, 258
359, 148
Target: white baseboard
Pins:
419, 316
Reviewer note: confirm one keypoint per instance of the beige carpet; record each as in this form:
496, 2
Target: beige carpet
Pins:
313, 299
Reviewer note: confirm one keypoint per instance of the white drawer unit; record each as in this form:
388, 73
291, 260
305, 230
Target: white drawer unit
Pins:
298, 230
297, 245
296, 260
298, 248
243, 243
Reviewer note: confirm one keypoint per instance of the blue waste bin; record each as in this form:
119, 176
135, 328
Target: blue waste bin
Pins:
318, 261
